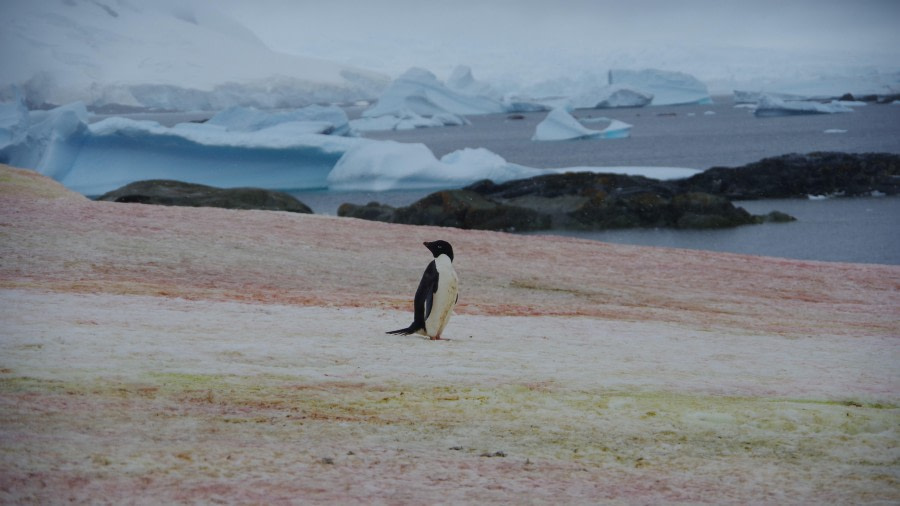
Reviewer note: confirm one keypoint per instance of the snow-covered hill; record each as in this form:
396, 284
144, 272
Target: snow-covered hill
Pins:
161, 54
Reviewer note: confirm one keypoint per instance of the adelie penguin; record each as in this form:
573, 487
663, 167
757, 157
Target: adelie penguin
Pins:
436, 296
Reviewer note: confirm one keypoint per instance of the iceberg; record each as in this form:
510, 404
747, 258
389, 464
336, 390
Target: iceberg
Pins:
164, 55
667, 87
560, 125
462, 81
610, 97
389, 165
47, 141
242, 147
769, 106
93, 159
420, 92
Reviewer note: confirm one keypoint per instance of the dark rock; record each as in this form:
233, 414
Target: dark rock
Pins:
596, 201
777, 217
177, 193
453, 208
797, 176
372, 211
649, 209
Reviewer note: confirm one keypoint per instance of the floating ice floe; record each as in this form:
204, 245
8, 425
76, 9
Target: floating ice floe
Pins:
835, 131
406, 120
769, 106
666, 87
559, 125
329, 120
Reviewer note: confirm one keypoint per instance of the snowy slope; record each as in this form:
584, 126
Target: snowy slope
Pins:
172, 55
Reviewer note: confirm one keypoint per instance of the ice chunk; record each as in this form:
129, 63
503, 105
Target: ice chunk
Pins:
462, 81
769, 105
613, 96
331, 120
419, 91
51, 143
13, 122
388, 165
406, 120
560, 125
667, 88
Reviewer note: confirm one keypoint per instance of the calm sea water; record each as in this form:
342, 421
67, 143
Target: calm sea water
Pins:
843, 230
861, 230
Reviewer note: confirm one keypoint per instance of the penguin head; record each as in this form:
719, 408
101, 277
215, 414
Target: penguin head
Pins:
439, 248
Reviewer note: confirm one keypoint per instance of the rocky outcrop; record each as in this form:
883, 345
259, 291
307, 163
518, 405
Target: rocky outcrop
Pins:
177, 193
590, 201
453, 208
797, 176
580, 201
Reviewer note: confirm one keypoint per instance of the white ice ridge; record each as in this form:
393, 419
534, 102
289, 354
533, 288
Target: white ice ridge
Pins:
420, 92
559, 125
168, 55
667, 88
244, 147
773, 106
609, 97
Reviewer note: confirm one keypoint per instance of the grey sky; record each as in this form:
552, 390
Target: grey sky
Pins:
392, 35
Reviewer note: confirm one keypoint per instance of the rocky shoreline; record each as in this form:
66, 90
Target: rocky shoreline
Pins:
584, 201
596, 201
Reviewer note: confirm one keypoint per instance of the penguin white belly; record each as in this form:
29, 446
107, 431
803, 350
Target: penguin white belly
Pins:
444, 298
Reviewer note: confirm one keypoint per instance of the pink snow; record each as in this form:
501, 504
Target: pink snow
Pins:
156, 354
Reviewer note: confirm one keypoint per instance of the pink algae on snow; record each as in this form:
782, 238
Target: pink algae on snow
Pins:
178, 355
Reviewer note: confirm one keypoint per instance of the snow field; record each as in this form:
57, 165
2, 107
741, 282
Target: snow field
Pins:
154, 354
318, 403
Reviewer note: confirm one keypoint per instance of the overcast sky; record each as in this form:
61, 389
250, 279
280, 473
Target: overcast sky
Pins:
497, 36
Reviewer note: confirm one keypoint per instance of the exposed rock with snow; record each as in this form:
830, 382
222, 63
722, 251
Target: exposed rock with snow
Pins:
798, 175
161, 55
559, 125
179, 193
667, 87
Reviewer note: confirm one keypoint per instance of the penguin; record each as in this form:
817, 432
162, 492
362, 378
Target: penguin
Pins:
436, 296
